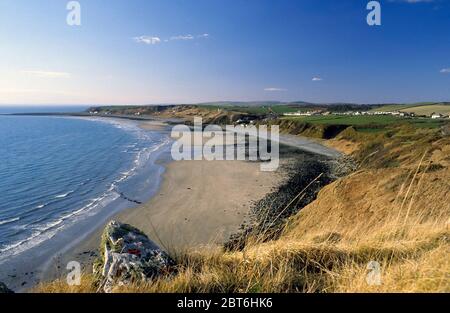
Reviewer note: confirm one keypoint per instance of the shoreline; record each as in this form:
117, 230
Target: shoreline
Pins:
82, 251
182, 222
201, 210
192, 210
27, 268
204, 222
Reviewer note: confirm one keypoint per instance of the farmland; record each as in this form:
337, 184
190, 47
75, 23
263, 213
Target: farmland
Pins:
429, 109
418, 108
366, 122
278, 109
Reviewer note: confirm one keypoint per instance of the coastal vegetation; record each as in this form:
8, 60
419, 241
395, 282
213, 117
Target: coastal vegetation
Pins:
392, 210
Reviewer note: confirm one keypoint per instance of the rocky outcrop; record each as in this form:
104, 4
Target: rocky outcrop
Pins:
445, 130
5, 289
129, 256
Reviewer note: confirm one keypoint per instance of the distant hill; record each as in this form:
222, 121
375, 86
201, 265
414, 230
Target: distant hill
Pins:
240, 103
284, 107
267, 107
423, 108
439, 108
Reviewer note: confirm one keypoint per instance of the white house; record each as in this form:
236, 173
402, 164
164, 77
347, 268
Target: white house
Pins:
436, 115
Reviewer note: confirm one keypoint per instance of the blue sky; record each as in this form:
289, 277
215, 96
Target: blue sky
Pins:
186, 51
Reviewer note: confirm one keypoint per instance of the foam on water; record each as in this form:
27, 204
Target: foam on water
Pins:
15, 219
41, 218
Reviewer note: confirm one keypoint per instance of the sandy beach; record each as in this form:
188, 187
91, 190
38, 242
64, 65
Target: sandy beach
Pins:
199, 203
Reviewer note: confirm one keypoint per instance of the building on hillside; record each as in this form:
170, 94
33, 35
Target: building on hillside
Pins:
436, 115
409, 114
249, 119
303, 113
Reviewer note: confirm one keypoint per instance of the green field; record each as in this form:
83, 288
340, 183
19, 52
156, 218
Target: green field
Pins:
368, 123
279, 109
348, 120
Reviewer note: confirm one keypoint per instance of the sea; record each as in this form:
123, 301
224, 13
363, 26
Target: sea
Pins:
62, 177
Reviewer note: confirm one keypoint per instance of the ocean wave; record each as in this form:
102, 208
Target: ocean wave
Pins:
64, 195
45, 229
49, 225
49, 230
8, 221
33, 209
25, 244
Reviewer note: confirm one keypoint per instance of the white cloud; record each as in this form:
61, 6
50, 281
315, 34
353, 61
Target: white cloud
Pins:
189, 37
153, 40
317, 79
182, 37
445, 71
47, 74
274, 89
148, 40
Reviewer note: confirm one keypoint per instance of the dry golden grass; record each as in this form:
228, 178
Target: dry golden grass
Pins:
410, 265
61, 286
396, 216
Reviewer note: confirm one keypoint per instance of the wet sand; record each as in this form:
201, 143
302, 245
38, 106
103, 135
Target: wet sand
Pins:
199, 203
